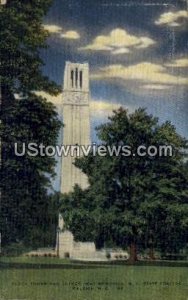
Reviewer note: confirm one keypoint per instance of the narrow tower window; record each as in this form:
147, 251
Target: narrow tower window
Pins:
72, 78
81, 79
76, 77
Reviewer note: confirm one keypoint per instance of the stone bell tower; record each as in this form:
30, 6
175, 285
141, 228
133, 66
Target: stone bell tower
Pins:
75, 111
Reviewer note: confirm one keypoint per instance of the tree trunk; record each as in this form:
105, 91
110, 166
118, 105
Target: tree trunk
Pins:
133, 253
151, 253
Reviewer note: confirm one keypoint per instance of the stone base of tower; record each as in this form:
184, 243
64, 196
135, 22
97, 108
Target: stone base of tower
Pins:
68, 248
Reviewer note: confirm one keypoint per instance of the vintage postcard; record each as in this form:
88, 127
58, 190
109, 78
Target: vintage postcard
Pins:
93, 150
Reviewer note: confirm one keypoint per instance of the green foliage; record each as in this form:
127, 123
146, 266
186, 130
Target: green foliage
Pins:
24, 180
26, 206
132, 200
22, 36
14, 250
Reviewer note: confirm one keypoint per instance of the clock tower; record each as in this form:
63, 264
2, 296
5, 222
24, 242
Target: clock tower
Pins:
76, 131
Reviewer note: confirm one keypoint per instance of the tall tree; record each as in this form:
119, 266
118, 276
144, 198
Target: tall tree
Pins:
24, 180
129, 194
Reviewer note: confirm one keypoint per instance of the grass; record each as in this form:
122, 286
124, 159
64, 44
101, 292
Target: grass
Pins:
32, 260
91, 283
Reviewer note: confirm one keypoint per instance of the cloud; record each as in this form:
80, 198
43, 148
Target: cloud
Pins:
55, 29
172, 19
121, 51
143, 73
102, 108
179, 63
118, 41
145, 42
56, 100
51, 28
157, 87
74, 35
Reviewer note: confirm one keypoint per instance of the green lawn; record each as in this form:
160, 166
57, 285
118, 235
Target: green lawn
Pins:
33, 260
92, 283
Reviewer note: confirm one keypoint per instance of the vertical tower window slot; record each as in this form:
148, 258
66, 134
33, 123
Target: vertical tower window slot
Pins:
76, 75
72, 78
81, 79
